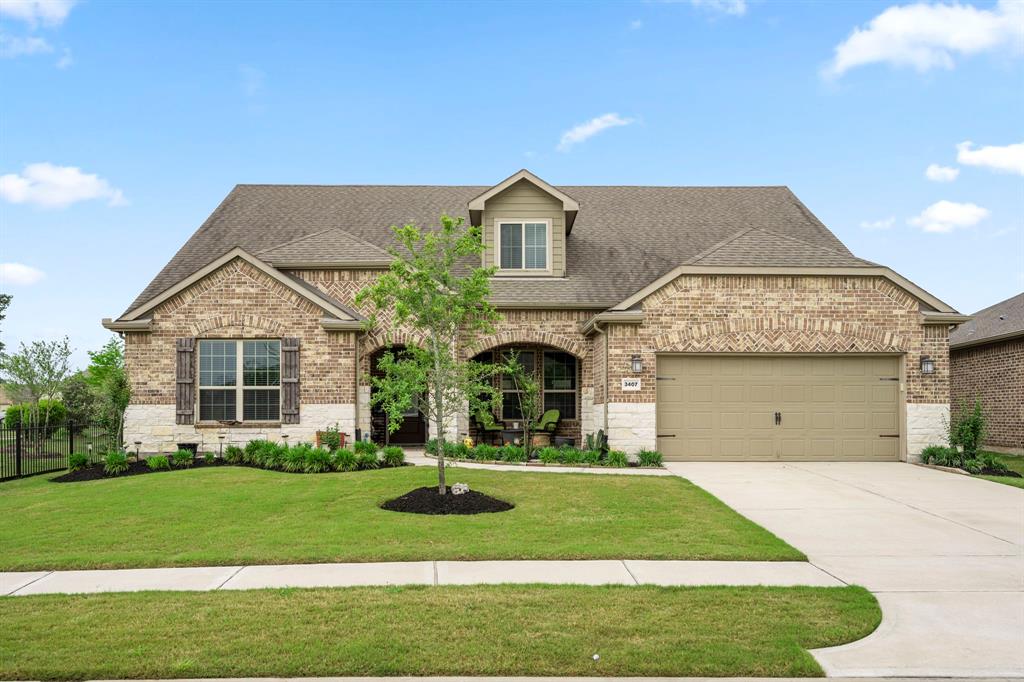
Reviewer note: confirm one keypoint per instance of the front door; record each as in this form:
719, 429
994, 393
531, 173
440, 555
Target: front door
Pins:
412, 430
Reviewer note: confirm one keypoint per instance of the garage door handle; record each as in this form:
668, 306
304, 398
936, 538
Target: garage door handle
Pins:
666, 435
778, 418
889, 435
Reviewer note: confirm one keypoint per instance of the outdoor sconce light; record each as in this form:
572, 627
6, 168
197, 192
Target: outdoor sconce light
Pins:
927, 365
638, 364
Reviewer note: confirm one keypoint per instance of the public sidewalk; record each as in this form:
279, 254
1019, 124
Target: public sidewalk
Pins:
604, 572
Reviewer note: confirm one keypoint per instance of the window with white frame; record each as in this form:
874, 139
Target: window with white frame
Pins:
523, 245
235, 374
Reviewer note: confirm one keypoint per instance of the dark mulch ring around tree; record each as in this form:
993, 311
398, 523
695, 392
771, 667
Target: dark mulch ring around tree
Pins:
427, 501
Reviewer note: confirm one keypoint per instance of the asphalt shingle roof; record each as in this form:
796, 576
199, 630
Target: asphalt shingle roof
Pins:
999, 320
624, 237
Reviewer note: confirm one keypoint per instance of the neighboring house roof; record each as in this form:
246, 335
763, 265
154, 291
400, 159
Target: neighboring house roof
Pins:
1003, 320
624, 237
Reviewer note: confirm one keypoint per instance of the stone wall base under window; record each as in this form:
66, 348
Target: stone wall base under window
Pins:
927, 424
154, 426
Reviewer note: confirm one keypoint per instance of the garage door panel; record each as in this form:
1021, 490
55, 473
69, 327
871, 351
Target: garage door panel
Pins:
831, 407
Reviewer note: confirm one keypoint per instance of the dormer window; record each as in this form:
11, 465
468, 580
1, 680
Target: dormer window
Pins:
524, 244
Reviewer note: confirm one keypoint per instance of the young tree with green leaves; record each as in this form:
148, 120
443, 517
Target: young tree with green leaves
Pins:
435, 289
107, 375
5, 300
528, 394
37, 372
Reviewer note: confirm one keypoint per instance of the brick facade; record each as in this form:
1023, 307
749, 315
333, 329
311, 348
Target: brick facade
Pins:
994, 374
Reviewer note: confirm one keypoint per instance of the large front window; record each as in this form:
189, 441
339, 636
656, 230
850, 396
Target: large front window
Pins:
523, 245
558, 376
239, 373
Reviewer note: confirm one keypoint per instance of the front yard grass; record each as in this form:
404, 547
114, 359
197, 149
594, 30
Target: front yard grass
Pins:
1014, 463
234, 515
480, 630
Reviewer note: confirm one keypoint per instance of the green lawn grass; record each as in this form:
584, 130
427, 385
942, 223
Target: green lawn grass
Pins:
1015, 463
237, 515
479, 630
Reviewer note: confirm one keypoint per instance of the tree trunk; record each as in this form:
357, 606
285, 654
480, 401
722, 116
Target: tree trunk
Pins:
439, 420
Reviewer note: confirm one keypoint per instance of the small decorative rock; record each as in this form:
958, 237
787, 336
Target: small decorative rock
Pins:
460, 488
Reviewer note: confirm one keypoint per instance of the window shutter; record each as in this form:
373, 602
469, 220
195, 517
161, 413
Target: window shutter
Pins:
290, 381
185, 382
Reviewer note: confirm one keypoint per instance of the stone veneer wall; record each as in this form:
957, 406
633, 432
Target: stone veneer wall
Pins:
775, 314
994, 374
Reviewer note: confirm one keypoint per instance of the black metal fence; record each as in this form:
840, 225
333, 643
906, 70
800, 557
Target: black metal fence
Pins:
29, 449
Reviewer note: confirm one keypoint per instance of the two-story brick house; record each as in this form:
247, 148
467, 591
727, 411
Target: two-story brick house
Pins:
707, 322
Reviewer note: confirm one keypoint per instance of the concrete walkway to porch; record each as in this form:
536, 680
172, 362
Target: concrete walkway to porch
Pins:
417, 457
601, 572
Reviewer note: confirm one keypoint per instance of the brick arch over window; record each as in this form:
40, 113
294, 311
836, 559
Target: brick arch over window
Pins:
378, 340
781, 335
238, 324
526, 337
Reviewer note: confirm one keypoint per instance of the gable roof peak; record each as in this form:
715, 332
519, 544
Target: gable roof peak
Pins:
568, 203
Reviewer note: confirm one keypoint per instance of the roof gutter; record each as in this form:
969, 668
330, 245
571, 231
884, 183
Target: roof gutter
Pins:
333, 324
619, 317
143, 325
933, 317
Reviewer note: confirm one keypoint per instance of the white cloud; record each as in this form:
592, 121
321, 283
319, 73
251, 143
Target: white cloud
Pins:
585, 131
19, 274
636, 25
736, 8
926, 36
66, 60
19, 46
44, 184
33, 12
883, 224
946, 216
1008, 159
937, 173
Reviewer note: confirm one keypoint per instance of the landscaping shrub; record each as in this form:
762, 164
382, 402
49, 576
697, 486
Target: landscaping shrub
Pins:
940, 455
158, 463
345, 460
367, 459
513, 453
591, 457
27, 414
549, 455
484, 452
649, 458
318, 460
209, 457
77, 461
992, 464
292, 460
967, 429
365, 447
570, 456
115, 463
616, 458
393, 456
331, 438
182, 459
431, 446
234, 454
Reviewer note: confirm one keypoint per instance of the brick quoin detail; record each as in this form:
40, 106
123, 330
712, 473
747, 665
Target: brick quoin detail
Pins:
994, 374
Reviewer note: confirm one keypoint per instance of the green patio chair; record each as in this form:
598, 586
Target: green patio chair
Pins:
548, 421
488, 427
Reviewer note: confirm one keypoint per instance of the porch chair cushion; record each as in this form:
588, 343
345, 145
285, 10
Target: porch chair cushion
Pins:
486, 421
549, 421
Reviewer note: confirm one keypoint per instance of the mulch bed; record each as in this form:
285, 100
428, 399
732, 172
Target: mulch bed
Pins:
95, 471
1007, 474
428, 501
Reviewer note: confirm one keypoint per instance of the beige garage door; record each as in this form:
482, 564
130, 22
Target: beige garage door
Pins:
770, 408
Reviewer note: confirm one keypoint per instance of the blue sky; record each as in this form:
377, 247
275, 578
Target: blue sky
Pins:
123, 124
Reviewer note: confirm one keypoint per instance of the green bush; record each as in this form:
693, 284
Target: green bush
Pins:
549, 455
365, 447
967, 429
209, 457
992, 463
26, 414
345, 460
234, 454
972, 466
158, 463
571, 456
592, 457
267, 455
940, 455
392, 456
115, 463
484, 452
431, 447
182, 459
616, 458
367, 459
318, 460
77, 461
649, 458
331, 438
513, 453
292, 460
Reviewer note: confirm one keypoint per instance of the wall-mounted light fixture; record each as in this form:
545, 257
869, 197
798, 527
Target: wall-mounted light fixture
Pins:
637, 364
927, 365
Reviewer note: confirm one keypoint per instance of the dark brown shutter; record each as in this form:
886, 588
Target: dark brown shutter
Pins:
289, 381
185, 382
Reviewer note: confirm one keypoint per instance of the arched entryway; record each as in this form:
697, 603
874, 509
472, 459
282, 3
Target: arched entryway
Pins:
559, 374
413, 429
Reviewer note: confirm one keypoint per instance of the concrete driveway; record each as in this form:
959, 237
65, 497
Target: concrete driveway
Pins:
943, 553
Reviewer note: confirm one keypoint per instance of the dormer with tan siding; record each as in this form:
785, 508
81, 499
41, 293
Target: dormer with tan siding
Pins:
525, 223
